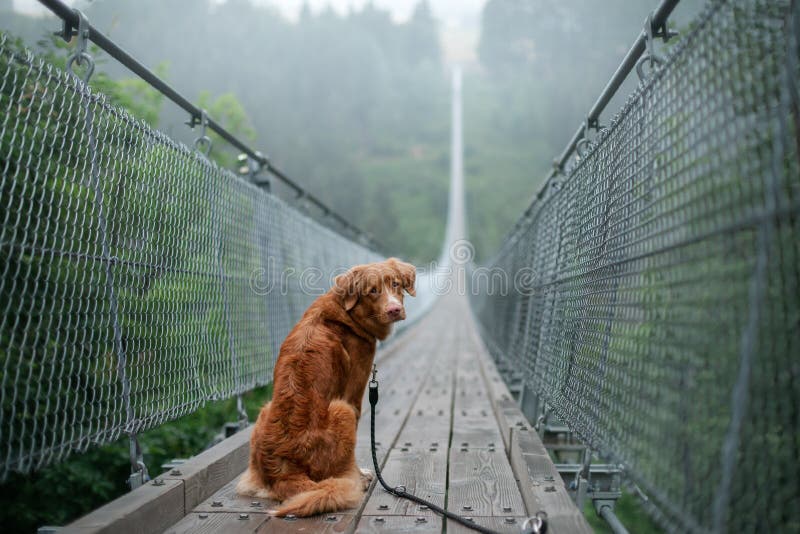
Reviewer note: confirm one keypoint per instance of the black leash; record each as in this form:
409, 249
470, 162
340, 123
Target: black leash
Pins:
534, 525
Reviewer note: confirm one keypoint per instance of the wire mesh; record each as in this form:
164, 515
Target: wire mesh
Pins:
138, 279
661, 321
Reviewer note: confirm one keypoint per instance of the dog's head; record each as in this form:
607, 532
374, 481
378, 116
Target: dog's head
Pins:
373, 294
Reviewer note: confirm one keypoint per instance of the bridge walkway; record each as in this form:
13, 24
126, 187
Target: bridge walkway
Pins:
447, 428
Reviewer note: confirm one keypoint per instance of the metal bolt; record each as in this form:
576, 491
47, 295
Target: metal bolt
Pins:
424, 507
550, 489
469, 519
330, 518
407, 443
463, 449
421, 520
255, 504
465, 444
216, 504
379, 520
467, 508
158, 482
491, 444
242, 517
383, 507
404, 449
290, 517
435, 444
507, 509
175, 472
549, 478
491, 449
203, 516
433, 449
510, 520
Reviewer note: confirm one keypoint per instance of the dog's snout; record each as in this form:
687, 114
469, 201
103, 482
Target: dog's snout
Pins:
393, 310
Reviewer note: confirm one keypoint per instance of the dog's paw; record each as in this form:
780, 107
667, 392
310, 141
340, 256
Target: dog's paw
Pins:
367, 477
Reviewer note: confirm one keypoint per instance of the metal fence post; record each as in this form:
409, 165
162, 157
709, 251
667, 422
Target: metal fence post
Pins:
139, 474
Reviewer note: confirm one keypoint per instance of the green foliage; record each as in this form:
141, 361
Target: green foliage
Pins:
336, 102
65, 491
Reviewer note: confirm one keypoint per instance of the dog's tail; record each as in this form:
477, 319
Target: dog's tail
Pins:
327, 495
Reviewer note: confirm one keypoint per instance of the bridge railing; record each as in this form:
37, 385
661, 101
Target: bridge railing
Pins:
655, 279
138, 279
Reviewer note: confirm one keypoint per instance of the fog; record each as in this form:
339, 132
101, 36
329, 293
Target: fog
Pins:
352, 99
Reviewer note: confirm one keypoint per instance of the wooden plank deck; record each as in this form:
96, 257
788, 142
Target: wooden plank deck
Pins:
447, 428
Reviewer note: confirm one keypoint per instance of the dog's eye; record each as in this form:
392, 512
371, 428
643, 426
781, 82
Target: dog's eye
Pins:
373, 291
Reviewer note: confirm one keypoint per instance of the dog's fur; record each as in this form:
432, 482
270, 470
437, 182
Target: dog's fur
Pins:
302, 451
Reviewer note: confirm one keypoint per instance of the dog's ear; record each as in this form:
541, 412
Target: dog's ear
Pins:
408, 274
347, 287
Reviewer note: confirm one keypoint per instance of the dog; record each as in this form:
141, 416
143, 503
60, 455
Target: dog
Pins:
302, 450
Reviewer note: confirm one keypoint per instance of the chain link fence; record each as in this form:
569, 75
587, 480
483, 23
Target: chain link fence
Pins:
138, 280
660, 318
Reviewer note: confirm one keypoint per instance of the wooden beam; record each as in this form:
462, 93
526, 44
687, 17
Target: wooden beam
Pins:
154, 508
146, 509
204, 474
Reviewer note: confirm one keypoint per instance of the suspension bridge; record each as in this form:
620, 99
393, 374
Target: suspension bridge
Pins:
639, 329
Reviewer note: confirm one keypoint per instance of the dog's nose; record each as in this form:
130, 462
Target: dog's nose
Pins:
394, 310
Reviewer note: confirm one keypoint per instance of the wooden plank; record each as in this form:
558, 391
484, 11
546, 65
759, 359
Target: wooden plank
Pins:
419, 458
207, 472
539, 483
423, 473
324, 524
474, 424
213, 523
504, 525
483, 484
260, 523
399, 377
146, 509
227, 500
541, 486
399, 524
476, 431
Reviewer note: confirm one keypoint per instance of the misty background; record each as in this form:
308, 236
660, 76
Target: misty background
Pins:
350, 99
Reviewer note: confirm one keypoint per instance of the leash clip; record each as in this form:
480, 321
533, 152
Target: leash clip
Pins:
374, 382
536, 524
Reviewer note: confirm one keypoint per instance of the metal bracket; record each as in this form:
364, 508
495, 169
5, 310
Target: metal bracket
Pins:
243, 420
663, 32
139, 475
652, 33
203, 142
80, 55
251, 168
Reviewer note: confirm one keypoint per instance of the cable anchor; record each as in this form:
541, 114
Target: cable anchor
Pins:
651, 33
203, 142
80, 55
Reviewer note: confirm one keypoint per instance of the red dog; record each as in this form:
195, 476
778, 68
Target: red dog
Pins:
302, 451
